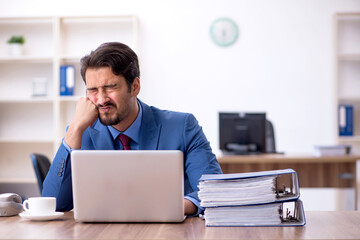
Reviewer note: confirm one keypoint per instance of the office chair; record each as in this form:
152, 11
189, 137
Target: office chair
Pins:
41, 166
270, 137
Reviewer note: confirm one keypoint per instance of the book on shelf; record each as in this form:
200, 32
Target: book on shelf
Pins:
67, 80
346, 120
333, 150
251, 199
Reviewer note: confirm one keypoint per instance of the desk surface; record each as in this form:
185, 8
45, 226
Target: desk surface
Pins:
285, 158
320, 225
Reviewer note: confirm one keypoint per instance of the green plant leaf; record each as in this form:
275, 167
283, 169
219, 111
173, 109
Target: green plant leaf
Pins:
17, 39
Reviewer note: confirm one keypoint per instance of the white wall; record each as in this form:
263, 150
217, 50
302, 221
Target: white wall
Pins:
282, 62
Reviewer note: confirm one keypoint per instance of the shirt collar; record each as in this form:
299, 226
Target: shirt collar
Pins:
133, 131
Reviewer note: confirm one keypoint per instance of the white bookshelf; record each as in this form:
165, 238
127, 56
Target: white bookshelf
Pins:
31, 124
347, 71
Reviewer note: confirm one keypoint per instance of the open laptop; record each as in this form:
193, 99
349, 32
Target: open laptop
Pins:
128, 186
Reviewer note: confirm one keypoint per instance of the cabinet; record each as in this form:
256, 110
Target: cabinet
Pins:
37, 124
347, 72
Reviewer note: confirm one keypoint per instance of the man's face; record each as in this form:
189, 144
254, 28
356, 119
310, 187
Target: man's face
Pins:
116, 103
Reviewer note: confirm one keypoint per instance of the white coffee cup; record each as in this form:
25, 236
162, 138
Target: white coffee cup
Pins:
40, 205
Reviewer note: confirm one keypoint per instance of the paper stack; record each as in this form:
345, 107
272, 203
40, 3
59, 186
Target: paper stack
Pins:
333, 150
252, 199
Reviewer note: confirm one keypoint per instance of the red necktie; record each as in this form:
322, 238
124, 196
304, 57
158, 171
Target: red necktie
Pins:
125, 141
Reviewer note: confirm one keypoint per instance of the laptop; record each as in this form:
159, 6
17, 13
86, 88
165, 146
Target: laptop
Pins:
128, 186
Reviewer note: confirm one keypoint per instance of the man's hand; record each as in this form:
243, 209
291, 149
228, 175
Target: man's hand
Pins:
189, 207
85, 115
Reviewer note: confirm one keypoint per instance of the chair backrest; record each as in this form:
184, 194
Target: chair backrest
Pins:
270, 137
41, 165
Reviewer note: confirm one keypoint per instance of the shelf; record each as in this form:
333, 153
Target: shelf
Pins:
28, 100
26, 59
71, 59
349, 138
22, 141
26, 21
349, 57
100, 19
349, 99
29, 123
69, 98
18, 180
348, 16
74, 44
347, 70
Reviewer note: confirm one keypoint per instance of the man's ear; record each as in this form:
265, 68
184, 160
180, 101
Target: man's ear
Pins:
135, 88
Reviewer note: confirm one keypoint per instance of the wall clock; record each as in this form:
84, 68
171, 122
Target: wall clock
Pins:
224, 32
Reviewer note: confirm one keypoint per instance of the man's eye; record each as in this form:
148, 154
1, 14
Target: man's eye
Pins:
110, 87
91, 91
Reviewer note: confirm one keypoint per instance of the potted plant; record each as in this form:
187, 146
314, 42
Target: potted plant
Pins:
16, 45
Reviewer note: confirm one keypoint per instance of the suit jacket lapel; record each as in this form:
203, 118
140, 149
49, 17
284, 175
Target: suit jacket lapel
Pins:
101, 137
150, 130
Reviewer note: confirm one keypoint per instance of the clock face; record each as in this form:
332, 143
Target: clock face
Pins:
224, 32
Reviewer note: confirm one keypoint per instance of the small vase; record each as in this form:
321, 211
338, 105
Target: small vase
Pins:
16, 49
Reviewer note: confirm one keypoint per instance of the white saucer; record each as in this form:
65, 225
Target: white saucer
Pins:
29, 216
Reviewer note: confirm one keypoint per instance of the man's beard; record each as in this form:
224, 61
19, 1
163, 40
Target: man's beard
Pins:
108, 120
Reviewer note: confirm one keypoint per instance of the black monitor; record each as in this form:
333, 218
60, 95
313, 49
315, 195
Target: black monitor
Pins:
242, 133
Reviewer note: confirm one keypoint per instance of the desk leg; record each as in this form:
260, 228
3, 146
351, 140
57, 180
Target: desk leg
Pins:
357, 185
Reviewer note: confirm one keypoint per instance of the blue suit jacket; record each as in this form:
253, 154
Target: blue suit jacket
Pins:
160, 130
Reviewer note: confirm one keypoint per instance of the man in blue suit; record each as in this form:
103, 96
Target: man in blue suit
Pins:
111, 112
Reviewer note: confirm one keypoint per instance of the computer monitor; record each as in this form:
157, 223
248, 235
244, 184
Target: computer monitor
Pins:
242, 133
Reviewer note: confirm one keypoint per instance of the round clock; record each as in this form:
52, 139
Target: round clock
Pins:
224, 32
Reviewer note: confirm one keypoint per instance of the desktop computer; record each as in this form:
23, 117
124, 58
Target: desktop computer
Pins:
242, 133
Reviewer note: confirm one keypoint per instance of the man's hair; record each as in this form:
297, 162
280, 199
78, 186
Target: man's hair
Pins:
119, 57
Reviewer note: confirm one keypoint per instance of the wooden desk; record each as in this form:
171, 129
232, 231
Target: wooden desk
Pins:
285, 158
312, 171
320, 225
334, 172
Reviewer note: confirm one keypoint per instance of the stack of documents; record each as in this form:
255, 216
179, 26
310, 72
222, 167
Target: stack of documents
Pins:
335, 150
252, 199
232, 192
